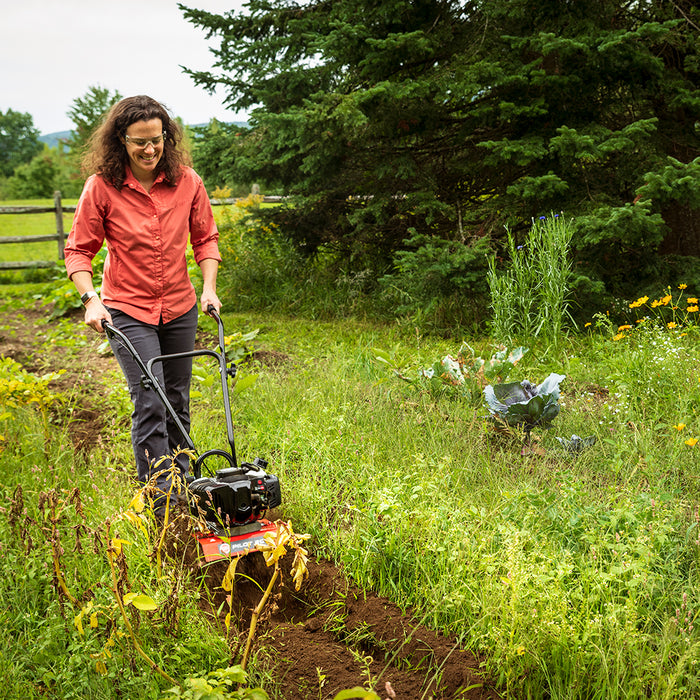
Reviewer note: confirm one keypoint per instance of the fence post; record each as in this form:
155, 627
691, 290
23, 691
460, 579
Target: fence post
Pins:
59, 222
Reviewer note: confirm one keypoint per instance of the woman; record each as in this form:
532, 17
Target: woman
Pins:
145, 202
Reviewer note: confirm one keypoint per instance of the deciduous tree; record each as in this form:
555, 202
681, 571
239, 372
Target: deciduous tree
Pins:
19, 140
87, 112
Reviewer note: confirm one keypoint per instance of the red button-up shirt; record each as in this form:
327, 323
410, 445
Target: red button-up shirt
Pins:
145, 273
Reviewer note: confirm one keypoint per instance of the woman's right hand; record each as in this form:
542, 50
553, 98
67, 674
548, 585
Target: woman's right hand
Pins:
95, 313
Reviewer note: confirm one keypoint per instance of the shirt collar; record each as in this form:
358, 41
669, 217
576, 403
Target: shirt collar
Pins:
131, 181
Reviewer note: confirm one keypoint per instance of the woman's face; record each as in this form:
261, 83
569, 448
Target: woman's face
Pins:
144, 146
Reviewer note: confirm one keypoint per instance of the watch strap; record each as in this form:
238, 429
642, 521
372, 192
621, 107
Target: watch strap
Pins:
85, 298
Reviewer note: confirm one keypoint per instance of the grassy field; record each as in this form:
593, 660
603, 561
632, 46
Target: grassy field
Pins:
31, 225
574, 574
43, 223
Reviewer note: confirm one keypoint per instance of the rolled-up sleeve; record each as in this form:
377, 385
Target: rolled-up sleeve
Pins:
204, 235
87, 233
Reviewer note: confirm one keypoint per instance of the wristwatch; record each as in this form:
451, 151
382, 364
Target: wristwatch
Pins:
85, 298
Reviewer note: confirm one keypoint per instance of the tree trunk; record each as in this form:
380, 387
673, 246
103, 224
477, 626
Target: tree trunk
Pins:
684, 235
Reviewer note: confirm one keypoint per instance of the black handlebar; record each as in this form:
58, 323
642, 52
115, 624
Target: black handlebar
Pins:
152, 381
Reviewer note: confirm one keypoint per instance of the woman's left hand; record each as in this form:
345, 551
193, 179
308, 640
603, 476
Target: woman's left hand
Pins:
210, 299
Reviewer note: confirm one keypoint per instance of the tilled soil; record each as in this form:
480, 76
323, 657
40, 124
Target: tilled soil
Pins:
329, 636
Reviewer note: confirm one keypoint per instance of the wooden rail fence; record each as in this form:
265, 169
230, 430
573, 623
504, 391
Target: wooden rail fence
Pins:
59, 236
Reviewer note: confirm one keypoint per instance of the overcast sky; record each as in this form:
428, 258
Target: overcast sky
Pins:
53, 51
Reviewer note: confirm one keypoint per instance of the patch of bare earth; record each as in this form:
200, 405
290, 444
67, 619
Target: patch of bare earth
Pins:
353, 637
26, 337
330, 635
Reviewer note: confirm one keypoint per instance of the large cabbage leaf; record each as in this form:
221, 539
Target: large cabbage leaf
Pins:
524, 404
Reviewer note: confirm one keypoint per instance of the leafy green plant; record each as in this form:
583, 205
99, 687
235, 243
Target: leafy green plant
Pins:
238, 345
60, 295
217, 685
525, 405
470, 373
577, 444
21, 389
18, 387
466, 373
238, 349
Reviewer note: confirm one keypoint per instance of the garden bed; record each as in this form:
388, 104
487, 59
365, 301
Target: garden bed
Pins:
329, 636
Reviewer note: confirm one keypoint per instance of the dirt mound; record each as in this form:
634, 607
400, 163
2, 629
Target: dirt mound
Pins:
331, 635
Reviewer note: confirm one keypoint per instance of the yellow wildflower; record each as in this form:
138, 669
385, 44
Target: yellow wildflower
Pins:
624, 328
641, 301
619, 336
691, 442
679, 427
692, 300
587, 324
682, 285
671, 324
692, 309
666, 300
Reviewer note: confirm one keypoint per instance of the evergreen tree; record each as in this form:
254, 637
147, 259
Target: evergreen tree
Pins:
400, 122
214, 153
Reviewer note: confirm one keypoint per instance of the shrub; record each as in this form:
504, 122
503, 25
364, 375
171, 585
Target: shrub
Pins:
433, 277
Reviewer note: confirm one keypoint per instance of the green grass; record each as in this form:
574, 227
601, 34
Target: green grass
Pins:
565, 572
30, 225
573, 576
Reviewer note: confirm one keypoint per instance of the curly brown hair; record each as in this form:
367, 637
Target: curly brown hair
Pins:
106, 154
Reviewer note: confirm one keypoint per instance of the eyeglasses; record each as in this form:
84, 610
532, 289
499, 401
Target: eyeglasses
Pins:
142, 143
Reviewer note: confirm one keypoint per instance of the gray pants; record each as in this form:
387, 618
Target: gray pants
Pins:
153, 433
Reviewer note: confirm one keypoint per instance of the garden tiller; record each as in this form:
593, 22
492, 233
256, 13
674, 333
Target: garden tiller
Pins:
231, 501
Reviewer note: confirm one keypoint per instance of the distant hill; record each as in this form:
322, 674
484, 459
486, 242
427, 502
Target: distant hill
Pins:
52, 140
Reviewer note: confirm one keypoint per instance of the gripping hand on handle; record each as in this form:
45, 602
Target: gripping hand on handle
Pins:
95, 314
209, 298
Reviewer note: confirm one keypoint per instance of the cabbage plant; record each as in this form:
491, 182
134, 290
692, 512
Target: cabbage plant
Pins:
466, 373
577, 444
522, 404
467, 367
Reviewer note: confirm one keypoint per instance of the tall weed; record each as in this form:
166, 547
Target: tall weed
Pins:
263, 269
529, 299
